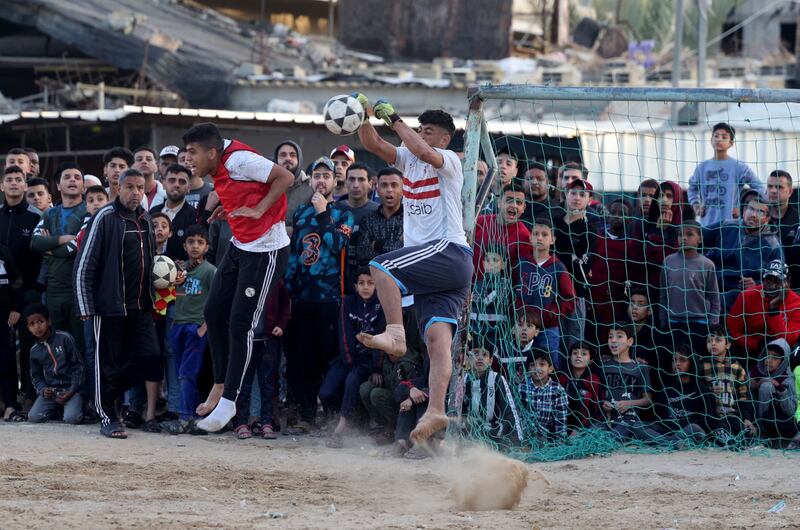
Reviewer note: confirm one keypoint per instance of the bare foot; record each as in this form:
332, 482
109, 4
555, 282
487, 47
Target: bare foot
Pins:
392, 341
211, 401
428, 425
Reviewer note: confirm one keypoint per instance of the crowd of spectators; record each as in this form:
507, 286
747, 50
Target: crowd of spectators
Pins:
667, 319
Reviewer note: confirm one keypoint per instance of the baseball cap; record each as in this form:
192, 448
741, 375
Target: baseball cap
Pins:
91, 180
169, 150
323, 161
344, 150
580, 183
776, 268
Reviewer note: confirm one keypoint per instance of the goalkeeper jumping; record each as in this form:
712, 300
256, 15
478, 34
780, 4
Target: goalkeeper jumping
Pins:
435, 263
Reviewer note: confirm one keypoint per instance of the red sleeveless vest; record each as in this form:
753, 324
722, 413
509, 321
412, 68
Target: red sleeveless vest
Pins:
234, 194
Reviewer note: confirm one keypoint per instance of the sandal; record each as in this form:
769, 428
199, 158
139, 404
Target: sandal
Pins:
267, 433
113, 430
794, 444
255, 428
176, 427
132, 419
17, 417
243, 432
151, 426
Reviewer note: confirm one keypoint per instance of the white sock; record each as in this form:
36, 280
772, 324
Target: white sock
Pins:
219, 417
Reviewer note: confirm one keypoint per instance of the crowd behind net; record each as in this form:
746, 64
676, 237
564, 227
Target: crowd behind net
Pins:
625, 263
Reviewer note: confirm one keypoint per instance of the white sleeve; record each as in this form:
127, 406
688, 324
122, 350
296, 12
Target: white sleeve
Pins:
246, 165
451, 170
402, 154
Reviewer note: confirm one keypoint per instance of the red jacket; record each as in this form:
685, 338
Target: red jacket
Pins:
751, 323
616, 262
514, 239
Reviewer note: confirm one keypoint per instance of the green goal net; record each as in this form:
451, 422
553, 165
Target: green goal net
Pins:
636, 256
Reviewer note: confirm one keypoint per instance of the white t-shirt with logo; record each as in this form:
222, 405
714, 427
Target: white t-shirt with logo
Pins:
431, 199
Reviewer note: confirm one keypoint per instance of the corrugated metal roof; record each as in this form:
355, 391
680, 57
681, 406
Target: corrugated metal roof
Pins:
361, 84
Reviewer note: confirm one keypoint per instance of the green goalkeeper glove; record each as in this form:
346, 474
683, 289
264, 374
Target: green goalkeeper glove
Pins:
362, 98
385, 111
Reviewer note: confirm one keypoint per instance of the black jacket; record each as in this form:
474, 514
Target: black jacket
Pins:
99, 273
11, 297
186, 217
56, 363
17, 224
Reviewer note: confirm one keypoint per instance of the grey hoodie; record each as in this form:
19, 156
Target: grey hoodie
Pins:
300, 191
784, 395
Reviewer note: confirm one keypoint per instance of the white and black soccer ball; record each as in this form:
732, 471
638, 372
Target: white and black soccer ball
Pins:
164, 272
343, 115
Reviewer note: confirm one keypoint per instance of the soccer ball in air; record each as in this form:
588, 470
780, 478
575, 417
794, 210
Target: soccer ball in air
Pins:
164, 272
343, 115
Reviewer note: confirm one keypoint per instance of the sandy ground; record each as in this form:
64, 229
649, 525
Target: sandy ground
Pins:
61, 476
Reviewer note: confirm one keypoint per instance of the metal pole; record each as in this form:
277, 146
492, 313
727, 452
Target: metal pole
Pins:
708, 95
702, 36
330, 18
676, 54
472, 146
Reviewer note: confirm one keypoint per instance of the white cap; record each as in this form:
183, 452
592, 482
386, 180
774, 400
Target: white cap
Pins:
91, 180
170, 150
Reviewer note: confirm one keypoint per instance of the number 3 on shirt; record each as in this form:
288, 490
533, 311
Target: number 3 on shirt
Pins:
311, 245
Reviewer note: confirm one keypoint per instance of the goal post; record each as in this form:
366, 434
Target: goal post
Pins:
625, 135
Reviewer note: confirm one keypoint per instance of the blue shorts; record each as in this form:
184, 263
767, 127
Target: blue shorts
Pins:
438, 274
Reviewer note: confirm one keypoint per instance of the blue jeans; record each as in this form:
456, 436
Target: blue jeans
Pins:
339, 390
188, 348
256, 399
45, 409
171, 368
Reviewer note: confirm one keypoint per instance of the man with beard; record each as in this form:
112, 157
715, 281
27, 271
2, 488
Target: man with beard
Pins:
181, 214
536, 185
742, 248
251, 193
503, 230
144, 159
289, 155
321, 231
765, 312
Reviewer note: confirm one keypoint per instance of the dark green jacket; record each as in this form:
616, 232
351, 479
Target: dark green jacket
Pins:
61, 257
